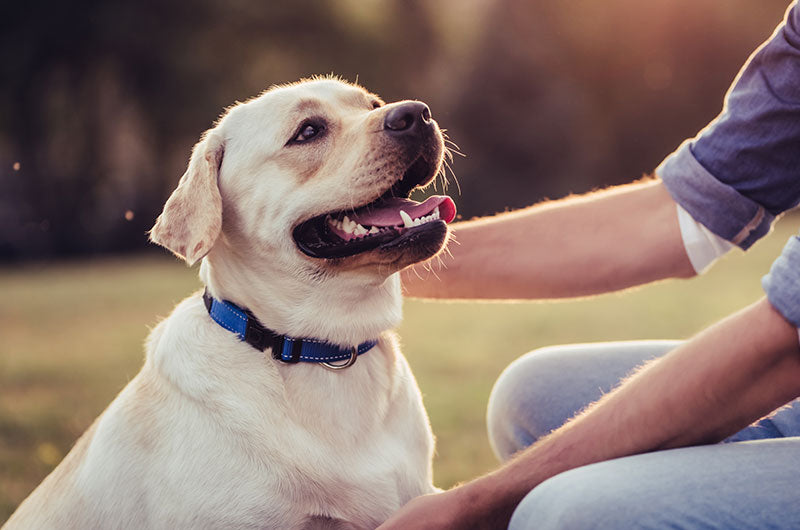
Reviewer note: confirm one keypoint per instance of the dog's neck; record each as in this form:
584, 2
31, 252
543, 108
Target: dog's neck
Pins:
344, 308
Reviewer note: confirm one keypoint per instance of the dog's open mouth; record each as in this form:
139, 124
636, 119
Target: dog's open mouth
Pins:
381, 224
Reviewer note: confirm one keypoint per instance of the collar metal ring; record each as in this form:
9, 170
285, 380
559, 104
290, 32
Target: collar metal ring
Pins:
346, 364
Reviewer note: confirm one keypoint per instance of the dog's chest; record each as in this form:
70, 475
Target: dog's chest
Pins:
361, 447
354, 445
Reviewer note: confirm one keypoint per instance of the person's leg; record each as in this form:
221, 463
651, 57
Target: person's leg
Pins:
727, 486
540, 391
543, 389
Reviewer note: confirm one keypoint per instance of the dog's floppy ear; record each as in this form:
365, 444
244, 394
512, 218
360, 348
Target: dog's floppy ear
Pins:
192, 216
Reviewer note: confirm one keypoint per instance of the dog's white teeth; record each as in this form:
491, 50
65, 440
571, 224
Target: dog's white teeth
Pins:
435, 213
407, 221
360, 230
374, 230
348, 226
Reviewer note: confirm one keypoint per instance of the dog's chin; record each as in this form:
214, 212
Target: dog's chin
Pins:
415, 245
393, 248
412, 246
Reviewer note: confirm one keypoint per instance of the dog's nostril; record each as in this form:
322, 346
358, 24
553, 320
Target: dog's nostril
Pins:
404, 116
426, 114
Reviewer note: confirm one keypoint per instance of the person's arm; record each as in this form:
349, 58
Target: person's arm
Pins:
578, 246
707, 389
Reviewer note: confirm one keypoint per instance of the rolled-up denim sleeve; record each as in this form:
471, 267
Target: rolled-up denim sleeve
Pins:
743, 169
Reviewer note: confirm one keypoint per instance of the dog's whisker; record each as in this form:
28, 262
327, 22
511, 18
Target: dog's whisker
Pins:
446, 249
449, 167
435, 275
440, 262
442, 176
452, 146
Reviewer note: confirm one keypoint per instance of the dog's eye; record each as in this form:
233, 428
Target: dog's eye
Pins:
308, 131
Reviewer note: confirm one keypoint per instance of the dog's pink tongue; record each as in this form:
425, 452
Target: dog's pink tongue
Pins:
387, 212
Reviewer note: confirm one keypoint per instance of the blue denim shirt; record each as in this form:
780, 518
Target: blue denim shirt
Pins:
743, 169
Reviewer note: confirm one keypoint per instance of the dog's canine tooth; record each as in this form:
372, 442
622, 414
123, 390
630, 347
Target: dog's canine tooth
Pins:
348, 225
407, 221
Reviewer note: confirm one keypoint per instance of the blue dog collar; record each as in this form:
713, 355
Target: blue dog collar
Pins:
286, 349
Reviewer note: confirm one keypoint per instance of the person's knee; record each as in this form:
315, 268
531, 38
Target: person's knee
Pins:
584, 498
645, 491
518, 406
544, 508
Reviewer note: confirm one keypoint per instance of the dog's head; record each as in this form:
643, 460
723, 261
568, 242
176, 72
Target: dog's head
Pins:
318, 173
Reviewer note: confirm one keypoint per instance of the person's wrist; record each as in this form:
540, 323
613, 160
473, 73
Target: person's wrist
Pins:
483, 504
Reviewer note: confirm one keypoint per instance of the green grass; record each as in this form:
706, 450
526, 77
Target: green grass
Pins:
71, 336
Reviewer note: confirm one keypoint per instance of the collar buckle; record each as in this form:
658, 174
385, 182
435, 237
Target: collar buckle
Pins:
347, 364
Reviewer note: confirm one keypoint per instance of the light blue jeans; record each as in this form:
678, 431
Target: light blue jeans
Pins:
750, 481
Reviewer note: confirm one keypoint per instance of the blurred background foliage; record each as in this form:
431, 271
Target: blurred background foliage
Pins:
101, 100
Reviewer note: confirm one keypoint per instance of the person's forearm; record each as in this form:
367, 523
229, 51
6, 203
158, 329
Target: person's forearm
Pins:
707, 389
579, 246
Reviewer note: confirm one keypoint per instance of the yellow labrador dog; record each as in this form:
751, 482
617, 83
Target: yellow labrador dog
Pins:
278, 399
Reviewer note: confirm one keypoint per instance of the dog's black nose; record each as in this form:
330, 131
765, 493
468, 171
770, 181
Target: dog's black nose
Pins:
407, 118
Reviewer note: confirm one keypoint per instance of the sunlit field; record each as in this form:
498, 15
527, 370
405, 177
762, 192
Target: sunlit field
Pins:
71, 336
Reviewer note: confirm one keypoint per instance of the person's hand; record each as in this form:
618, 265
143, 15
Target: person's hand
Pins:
469, 506
432, 511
